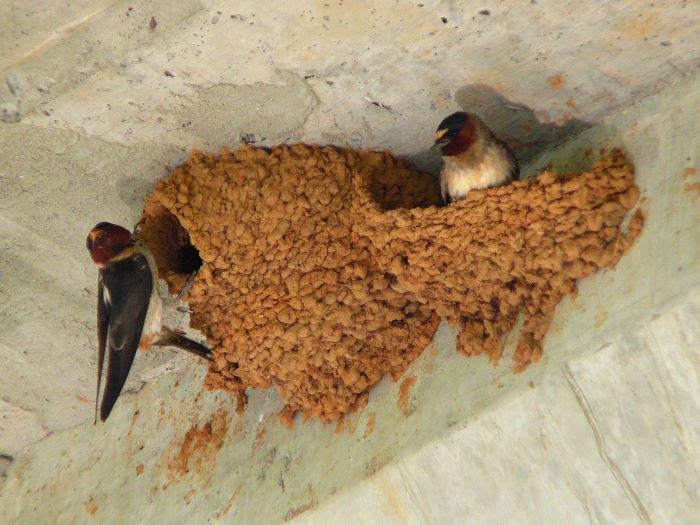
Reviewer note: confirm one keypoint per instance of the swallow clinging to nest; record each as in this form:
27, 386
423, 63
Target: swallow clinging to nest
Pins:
129, 309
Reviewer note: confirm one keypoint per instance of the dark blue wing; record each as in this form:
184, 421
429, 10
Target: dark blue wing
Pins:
128, 284
102, 324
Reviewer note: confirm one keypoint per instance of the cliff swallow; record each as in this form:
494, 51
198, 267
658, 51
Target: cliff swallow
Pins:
472, 157
129, 310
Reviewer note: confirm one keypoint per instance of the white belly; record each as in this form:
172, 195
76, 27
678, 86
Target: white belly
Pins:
457, 177
154, 315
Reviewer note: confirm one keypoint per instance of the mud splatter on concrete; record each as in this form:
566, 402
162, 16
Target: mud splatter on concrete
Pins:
695, 187
600, 318
259, 438
369, 428
557, 81
90, 505
200, 445
404, 394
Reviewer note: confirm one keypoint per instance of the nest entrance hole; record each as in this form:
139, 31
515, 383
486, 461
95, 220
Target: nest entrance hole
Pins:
175, 255
403, 188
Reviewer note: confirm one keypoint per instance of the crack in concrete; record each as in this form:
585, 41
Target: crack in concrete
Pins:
615, 470
58, 35
18, 422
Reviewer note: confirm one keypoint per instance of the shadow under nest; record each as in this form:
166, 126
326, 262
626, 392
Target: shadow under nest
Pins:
323, 268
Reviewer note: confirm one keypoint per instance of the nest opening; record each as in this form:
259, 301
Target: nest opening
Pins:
402, 188
175, 255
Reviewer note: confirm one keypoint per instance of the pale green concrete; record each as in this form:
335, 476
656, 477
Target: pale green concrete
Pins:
101, 121
608, 433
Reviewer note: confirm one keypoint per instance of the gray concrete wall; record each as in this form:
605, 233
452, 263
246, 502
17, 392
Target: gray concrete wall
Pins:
100, 121
603, 430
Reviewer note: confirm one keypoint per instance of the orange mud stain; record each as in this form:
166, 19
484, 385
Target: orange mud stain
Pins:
369, 428
557, 81
637, 27
600, 318
351, 423
286, 417
695, 187
313, 502
259, 438
226, 508
200, 445
375, 464
404, 392
90, 505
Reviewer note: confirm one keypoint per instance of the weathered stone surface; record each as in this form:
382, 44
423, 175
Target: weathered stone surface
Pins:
101, 121
603, 429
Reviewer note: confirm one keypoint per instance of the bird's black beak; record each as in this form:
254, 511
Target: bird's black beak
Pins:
441, 139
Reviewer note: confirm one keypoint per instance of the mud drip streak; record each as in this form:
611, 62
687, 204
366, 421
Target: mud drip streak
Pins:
636, 503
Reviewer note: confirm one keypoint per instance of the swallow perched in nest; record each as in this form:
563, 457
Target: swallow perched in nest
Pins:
129, 310
472, 157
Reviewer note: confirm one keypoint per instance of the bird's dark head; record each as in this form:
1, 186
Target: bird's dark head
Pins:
106, 240
456, 133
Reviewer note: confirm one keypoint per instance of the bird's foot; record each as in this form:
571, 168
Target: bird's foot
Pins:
186, 286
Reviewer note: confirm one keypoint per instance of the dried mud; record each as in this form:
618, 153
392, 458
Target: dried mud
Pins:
324, 268
200, 445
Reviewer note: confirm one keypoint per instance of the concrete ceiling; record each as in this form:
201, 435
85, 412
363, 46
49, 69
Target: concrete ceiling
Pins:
103, 97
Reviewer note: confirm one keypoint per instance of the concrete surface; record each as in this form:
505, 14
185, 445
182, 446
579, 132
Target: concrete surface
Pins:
603, 430
609, 431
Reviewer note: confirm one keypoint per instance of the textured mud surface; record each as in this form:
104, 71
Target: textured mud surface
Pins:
324, 269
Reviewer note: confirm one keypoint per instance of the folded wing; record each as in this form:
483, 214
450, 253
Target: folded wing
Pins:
123, 297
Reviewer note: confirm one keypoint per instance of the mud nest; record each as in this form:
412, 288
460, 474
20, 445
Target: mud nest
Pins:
322, 269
